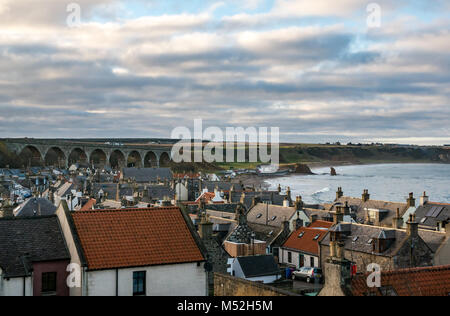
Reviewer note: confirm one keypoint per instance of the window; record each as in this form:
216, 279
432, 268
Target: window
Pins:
290, 257
139, 286
312, 261
301, 235
48, 282
259, 216
274, 218
317, 237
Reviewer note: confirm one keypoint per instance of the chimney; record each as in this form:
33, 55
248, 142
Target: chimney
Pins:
288, 192
338, 272
201, 204
230, 194
242, 198
442, 227
298, 221
338, 216
117, 192
339, 193
346, 208
299, 203
205, 227
412, 227
397, 221
424, 199
366, 196
411, 201
286, 202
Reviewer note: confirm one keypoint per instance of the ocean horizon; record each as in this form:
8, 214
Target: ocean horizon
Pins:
389, 182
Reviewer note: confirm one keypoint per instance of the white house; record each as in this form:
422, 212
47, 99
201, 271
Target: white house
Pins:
261, 268
135, 252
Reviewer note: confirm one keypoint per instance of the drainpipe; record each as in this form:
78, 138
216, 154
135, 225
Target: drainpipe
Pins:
117, 282
24, 286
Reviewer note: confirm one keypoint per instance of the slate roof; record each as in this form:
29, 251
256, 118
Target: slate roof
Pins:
136, 237
428, 281
27, 240
241, 234
147, 175
269, 234
358, 206
221, 185
160, 192
365, 233
430, 214
258, 266
35, 207
269, 197
272, 215
65, 189
222, 207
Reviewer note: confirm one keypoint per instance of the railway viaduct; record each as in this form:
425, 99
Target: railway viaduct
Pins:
97, 154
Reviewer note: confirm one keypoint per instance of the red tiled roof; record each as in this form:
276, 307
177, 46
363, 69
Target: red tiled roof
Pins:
88, 206
428, 281
307, 243
207, 196
135, 237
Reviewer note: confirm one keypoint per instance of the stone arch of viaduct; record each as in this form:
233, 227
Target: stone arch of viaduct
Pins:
138, 156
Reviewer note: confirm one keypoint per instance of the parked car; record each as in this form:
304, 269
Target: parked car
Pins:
308, 274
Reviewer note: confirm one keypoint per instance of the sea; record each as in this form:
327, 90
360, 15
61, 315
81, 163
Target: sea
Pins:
387, 182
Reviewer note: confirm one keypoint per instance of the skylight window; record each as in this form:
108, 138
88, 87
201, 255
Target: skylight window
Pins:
355, 239
301, 235
370, 241
259, 216
274, 218
317, 237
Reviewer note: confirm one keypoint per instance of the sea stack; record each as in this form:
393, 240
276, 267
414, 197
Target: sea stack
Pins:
302, 169
333, 172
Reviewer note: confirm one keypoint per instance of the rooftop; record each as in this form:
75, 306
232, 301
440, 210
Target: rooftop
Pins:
24, 240
427, 281
136, 237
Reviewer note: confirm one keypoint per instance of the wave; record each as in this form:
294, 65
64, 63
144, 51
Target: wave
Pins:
324, 190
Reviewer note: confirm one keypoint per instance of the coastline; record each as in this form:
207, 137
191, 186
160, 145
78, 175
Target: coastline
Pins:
261, 181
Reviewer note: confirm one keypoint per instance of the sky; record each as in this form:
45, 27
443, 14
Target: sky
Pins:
315, 69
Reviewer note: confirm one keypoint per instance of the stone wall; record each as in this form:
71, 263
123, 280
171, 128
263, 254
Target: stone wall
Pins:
227, 285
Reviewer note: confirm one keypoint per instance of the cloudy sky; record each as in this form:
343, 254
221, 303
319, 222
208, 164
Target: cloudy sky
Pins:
141, 68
